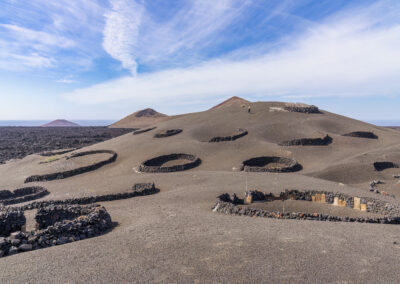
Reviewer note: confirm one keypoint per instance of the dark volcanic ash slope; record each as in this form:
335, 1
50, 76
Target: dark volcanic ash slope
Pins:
18, 142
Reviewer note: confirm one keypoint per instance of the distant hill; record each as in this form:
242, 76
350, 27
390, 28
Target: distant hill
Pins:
141, 118
61, 123
232, 101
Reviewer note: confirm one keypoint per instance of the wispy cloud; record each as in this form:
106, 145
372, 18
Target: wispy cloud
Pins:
353, 53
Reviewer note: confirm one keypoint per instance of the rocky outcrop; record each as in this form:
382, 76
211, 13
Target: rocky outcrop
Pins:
143, 130
361, 134
380, 166
234, 205
261, 164
239, 134
155, 165
77, 171
168, 133
22, 195
308, 142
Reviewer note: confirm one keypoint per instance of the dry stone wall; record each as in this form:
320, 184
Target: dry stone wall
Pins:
302, 109
143, 130
380, 166
233, 205
361, 134
22, 195
308, 141
260, 164
241, 133
78, 171
155, 165
168, 133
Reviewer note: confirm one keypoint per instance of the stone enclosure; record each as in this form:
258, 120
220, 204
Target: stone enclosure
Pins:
20, 195
60, 221
302, 108
143, 130
156, 165
167, 133
77, 171
390, 213
240, 133
361, 134
271, 164
380, 166
308, 141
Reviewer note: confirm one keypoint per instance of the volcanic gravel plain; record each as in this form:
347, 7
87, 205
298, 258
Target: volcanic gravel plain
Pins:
174, 236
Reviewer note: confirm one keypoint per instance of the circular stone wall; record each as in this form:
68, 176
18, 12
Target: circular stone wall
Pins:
271, 164
168, 133
361, 134
77, 171
380, 166
155, 165
308, 142
143, 130
22, 195
239, 134
390, 213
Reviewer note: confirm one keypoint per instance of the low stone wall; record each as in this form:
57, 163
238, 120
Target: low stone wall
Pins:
241, 133
380, 166
78, 171
302, 109
258, 164
168, 133
60, 221
361, 134
155, 165
22, 195
11, 220
143, 130
233, 205
92, 221
308, 142
140, 189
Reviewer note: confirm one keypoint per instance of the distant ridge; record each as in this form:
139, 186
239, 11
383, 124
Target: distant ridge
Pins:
141, 118
61, 123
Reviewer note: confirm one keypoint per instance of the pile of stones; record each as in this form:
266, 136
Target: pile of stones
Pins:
362, 134
11, 220
77, 171
259, 164
168, 133
143, 130
380, 166
241, 133
233, 205
302, 109
308, 141
20, 195
155, 165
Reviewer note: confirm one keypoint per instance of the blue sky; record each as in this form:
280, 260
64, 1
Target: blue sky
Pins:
108, 58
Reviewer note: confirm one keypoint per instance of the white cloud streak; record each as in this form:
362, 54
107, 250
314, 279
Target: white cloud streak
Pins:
356, 53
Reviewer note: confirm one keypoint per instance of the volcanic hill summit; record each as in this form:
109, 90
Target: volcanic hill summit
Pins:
232, 101
61, 123
141, 118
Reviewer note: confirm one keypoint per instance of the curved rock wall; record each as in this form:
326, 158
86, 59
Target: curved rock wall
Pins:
308, 142
11, 220
380, 166
22, 195
258, 164
232, 205
78, 171
361, 134
302, 109
241, 133
143, 130
155, 165
168, 133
